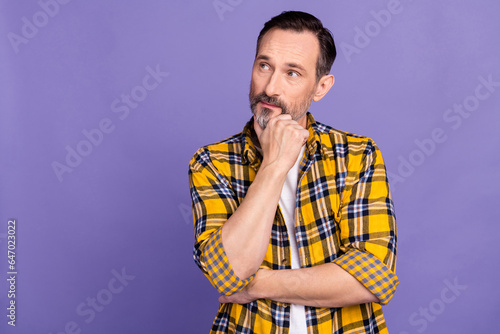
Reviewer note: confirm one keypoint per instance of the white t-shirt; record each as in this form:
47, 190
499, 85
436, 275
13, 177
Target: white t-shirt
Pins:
287, 203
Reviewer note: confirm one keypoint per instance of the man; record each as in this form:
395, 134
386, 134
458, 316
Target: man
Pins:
294, 221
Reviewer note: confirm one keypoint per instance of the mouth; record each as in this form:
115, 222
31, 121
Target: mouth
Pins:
268, 105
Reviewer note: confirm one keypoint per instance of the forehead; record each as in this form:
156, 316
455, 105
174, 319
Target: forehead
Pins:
290, 47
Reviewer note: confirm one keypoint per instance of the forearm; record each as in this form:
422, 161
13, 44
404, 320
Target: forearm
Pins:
236, 250
245, 235
326, 285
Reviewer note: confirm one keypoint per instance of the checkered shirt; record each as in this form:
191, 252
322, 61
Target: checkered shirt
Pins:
345, 215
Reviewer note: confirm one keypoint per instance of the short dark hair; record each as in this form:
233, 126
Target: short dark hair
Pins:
299, 22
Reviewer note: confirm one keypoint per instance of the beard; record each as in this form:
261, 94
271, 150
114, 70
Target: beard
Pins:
296, 110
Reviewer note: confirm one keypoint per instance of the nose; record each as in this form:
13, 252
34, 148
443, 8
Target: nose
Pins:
273, 86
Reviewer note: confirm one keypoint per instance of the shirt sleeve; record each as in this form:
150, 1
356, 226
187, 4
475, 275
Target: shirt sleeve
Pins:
368, 224
213, 203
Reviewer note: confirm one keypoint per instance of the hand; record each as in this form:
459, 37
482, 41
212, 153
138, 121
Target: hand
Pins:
281, 141
240, 297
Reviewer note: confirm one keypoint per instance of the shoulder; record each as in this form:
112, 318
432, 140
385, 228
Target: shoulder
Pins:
342, 144
222, 151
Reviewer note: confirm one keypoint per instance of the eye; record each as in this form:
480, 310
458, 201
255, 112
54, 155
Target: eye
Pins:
264, 66
292, 74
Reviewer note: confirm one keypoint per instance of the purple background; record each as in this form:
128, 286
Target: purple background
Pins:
126, 205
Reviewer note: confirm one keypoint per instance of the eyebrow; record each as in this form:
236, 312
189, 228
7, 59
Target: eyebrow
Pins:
292, 65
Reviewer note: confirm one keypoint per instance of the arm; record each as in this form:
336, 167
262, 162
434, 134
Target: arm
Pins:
326, 285
231, 245
365, 272
368, 223
246, 233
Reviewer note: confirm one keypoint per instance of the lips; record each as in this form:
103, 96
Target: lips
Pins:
268, 105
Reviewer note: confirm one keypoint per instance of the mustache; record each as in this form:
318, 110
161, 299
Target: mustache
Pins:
263, 97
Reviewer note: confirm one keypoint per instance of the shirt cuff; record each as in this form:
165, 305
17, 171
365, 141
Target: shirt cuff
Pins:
371, 272
219, 271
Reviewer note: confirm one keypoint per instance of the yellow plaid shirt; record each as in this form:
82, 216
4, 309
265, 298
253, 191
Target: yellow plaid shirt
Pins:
345, 216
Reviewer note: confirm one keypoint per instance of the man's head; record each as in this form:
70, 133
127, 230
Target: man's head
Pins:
291, 68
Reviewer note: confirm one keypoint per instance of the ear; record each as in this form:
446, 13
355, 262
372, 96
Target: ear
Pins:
323, 86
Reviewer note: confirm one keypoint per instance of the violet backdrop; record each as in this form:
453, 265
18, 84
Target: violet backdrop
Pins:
103, 103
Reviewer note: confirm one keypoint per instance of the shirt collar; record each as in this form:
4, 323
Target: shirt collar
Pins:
251, 155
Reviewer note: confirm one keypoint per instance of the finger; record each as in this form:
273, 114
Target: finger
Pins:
290, 126
283, 121
300, 135
296, 133
305, 134
223, 299
282, 116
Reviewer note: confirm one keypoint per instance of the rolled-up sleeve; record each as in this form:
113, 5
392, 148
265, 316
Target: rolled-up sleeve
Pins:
368, 224
213, 203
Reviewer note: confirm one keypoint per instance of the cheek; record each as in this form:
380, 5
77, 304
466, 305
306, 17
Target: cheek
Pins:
300, 94
255, 89
256, 82
296, 96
